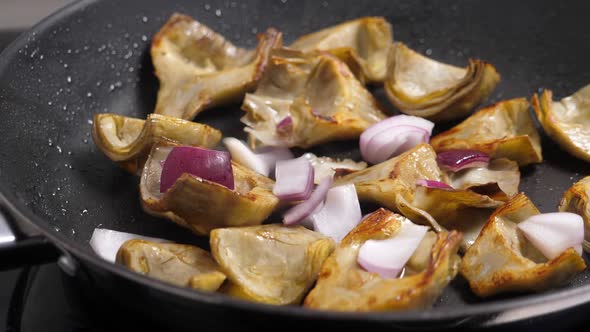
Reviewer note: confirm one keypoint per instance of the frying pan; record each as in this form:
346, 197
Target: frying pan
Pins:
93, 56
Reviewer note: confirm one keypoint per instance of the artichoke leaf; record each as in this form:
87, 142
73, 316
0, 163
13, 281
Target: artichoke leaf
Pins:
199, 69
576, 200
362, 44
423, 87
502, 130
128, 141
503, 260
499, 180
344, 286
178, 264
328, 167
317, 92
203, 205
271, 263
566, 121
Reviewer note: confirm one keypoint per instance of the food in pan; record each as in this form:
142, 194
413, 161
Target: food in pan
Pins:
457, 193
502, 130
575, 200
179, 264
199, 69
344, 285
502, 259
420, 86
128, 141
305, 99
269, 263
567, 121
202, 205
362, 43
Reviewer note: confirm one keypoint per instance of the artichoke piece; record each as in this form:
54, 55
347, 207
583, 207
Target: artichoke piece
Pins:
317, 93
178, 264
344, 286
362, 43
503, 260
127, 141
575, 200
567, 121
499, 180
198, 69
328, 167
202, 205
420, 86
502, 130
272, 263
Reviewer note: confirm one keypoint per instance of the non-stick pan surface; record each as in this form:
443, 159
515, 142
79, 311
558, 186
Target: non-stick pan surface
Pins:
93, 57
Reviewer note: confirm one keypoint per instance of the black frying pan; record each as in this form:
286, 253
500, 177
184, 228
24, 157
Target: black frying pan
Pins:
93, 56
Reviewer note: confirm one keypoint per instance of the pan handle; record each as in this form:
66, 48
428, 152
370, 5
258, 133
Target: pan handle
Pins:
20, 243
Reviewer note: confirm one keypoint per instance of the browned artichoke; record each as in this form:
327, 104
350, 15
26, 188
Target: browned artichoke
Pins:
179, 264
567, 121
316, 93
127, 141
199, 69
503, 260
502, 130
272, 264
499, 180
576, 200
362, 43
344, 286
420, 86
202, 205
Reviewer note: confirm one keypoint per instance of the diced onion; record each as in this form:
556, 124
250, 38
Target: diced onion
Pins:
303, 210
262, 161
106, 242
388, 257
206, 164
432, 184
553, 233
456, 160
294, 179
340, 214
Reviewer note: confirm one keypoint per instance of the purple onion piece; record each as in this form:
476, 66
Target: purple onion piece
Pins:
432, 184
456, 160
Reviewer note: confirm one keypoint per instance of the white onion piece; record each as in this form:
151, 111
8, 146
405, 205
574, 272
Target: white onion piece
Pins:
388, 257
262, 161
301, 211
393, 141
398, 120
294, 179
271, 154
106, 242
553, 233
340, 214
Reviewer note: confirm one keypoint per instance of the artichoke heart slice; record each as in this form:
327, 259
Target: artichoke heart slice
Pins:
344, 286
502, 130
566, 121
199, 69
503, 260
178, 264
128, 141
362, 43
317, 93
271, 263
423, 87
576, 200
203, 205
499, 180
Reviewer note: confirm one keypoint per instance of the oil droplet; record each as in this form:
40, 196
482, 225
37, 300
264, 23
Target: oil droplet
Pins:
89, 94
144, 19
58, 149
429, 51
218, 12
69, 79
207, 6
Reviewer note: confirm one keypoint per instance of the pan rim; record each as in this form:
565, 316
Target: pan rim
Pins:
560, 299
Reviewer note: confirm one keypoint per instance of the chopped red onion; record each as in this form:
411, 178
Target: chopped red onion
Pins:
392, 142
285, 126
456, 160
270, 155
388, 257
206, 164
301, 211
394, 121
244, 156
340, 214
432, 184
106, 242
553, 233
294, 179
